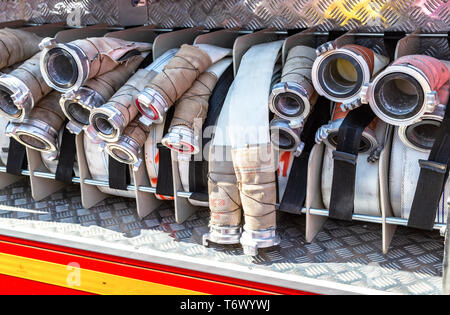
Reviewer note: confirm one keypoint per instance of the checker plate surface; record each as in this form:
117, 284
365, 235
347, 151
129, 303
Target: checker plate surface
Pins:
346, 253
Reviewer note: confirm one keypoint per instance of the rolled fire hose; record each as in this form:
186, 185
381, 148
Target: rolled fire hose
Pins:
246, 120
51, 159
68, 66
339, 74
329, 133
21, 89
109, 120
404, 173
293, 98
176, 78
98, 162
77, 105
407, 91
366, 199
17, 46
191, 110
152, 156
41, 129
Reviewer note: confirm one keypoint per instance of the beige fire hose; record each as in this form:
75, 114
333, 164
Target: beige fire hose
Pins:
17, 46
77, 105
293, 98
68, 66
176, 78
21, 89
41, 129
108, 121
191, 110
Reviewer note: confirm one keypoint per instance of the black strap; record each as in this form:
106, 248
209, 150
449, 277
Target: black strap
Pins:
164, 184
17, 158
345, 157
119, 174
66, 160
432, 179
198, 170
295, 193
390, 42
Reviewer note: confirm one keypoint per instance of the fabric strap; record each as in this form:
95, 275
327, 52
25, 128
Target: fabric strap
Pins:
17, 158
432, 179
164, 184
66, 160
295, 193
198, 170
345, 157
119, 174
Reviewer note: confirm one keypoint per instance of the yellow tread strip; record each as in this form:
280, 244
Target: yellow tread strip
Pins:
82, 279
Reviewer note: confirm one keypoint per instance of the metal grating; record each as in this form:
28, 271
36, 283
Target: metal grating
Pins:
346, 253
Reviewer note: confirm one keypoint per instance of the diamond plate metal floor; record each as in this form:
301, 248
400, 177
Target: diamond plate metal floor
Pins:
343, 253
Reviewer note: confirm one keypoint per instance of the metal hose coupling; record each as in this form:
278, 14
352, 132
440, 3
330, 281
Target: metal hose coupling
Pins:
110, 120
286, 137
21, 89
421, 134
176, 78
40, 130
251, 240
407, 90
339, 74
328, 134
17, 46
293, 98
78, 104
129, 148
192, 109
225, 235
68, 66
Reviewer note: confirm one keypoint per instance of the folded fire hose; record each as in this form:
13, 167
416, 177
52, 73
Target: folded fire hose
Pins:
244, 128
98, 164
194, 169
78, 104
21, 89
109, 120
68, 66
191, 110
352, 136
412, 93
17, 46
403, 177
176, 78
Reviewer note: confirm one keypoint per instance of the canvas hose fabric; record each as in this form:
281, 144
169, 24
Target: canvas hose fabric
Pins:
40, 130
97, 55
246, 118
177, 77
98, 165
17, 46
109, 120
191, 110
295, 95
78, 104
21, 89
